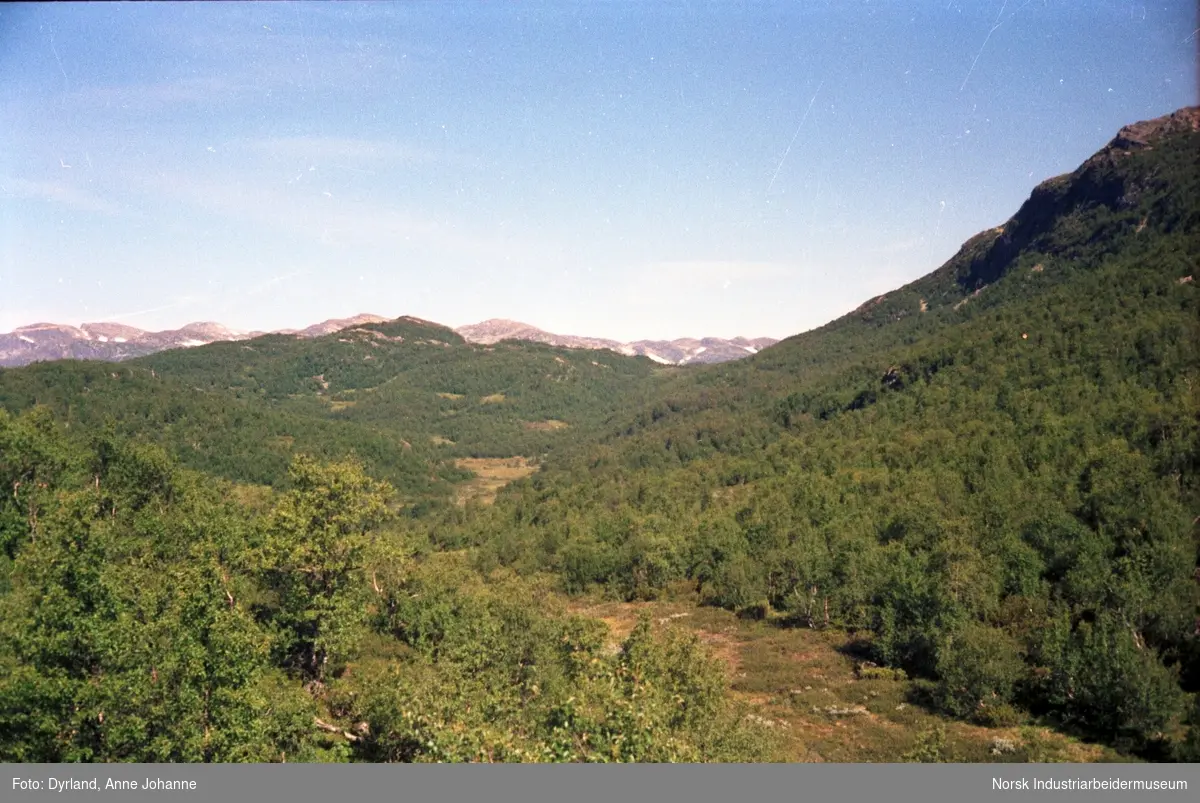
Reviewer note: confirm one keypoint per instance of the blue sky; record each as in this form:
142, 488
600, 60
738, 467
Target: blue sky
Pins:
628, 170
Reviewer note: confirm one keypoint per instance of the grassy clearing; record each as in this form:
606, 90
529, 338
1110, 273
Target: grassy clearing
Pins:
491, 474
548, 425
805, 683
257, 498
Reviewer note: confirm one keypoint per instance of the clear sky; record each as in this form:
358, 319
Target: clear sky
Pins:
619, 169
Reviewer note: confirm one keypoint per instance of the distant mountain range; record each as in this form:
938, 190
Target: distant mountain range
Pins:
666, 352
113, 342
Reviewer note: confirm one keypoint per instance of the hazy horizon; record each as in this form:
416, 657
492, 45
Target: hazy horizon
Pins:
620, 171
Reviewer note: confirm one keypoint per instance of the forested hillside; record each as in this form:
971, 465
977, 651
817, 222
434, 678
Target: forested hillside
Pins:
991, 473
424, 383
406, 397
982, 488
152, 614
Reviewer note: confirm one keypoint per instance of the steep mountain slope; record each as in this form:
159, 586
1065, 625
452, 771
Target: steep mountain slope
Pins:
681, 351
1141, 184
1135, 198
1140, 231
991, 476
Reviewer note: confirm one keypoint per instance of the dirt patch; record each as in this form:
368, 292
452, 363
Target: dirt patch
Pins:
491, 474
725, 649
549, 424
622, 617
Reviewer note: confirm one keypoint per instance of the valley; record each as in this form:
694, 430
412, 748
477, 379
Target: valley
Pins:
956, 524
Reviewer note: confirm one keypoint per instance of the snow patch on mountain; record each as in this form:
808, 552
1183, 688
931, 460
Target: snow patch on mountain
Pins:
682, 351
